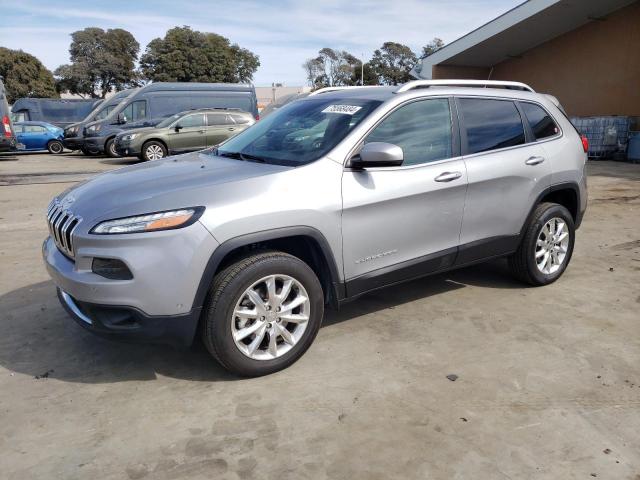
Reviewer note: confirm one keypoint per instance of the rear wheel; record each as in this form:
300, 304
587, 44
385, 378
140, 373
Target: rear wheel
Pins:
153, 150
55, 147
545, 250
110, 148
263, 313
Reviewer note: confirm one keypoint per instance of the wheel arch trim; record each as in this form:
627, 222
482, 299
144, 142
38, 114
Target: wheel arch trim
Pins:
573, 186
228, 246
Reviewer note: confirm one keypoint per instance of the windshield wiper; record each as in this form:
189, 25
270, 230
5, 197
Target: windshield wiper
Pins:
241, 156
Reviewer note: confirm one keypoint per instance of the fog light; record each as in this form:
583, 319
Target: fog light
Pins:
111, 268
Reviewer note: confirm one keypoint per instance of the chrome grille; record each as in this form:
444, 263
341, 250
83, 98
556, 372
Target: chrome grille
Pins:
62, 224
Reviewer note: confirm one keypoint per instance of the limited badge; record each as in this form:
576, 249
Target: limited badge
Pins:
345, 109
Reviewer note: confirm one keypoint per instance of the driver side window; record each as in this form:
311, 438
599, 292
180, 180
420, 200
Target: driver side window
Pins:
422, 129
135, 111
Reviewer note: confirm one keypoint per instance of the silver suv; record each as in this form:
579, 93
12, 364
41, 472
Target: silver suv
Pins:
328, 198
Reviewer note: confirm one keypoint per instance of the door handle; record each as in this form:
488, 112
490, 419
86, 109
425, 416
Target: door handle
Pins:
231, 129
202, 131
534, 160
448, 176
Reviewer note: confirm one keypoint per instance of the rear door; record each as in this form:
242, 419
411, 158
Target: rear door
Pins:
188, 133
220, 126
507, 171
402, 222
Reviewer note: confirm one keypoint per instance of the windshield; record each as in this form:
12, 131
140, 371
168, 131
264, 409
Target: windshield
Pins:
169, 120
300, 132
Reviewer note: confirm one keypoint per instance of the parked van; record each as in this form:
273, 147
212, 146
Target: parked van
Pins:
160, 100
7, 137
73, 134
59, 112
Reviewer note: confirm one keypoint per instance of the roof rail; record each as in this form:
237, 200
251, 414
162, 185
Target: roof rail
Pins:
464, 83
333, 89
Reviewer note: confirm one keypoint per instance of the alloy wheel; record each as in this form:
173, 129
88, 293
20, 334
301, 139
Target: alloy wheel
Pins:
154, 152
552, 246
270, 317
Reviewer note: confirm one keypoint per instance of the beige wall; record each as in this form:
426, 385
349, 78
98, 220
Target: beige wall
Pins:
593, 70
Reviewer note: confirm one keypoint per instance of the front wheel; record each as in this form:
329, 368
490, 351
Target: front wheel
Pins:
545, 250
110, 148
153, 150
55, 147
263, 313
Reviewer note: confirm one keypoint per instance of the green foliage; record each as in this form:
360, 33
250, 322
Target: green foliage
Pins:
392, 63
332, 68
25, 76
432, 47
186, 55
101, 61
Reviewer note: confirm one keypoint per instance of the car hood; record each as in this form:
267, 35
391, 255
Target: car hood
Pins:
137, 130
174, 182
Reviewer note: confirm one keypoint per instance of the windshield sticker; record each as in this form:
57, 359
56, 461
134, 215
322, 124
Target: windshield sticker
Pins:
345, 109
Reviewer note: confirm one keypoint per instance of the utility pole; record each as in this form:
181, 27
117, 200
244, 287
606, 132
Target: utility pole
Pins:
362, 70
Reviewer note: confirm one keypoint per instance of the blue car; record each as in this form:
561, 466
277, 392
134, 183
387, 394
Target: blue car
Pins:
39, 136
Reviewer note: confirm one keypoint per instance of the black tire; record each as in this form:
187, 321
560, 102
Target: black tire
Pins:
55, 147
146, 154
523, 264
228, 287
110, 148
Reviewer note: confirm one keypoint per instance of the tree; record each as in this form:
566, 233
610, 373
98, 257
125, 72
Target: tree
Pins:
392, 63
314, 68
186, 55
25, 76
432, 47
332, 68
101, 61
370, 77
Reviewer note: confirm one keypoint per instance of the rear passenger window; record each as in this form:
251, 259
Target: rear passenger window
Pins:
422, 129
540, 121
214, 119
491, 124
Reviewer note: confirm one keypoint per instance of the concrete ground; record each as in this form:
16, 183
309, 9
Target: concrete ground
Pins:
548, 378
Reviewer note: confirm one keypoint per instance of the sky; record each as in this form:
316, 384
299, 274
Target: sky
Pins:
283, 33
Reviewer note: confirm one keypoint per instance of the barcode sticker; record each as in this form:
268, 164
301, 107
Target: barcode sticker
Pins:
345, 109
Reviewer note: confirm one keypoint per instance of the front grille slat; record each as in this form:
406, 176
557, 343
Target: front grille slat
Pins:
62, 224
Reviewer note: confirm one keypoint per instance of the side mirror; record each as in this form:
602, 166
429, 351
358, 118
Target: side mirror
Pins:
121, 118
378, 154
178, 128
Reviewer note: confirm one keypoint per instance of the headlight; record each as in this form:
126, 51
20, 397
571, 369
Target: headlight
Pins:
150, 222
94, 128
129, 136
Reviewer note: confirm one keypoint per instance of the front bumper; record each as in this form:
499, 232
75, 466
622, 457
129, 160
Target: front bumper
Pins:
157, 304
95, 144
129, 324
127, 149
73, 143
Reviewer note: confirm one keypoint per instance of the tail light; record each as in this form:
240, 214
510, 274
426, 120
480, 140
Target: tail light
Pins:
585, 143
7, 126
257, 117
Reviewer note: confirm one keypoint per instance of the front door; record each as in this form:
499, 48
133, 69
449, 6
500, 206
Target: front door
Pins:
403, 222
188, 133
507, 172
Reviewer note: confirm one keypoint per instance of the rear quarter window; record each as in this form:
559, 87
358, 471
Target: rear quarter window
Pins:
491, 124
541, 123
